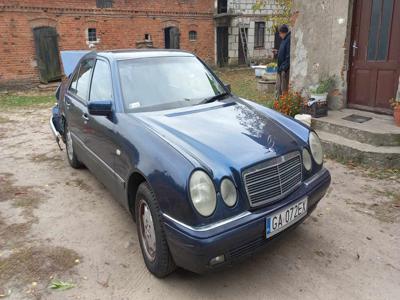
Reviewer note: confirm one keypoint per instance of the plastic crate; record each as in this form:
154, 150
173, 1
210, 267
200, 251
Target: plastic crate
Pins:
317, 109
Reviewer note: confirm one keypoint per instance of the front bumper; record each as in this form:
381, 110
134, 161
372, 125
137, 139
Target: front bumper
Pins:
237, 238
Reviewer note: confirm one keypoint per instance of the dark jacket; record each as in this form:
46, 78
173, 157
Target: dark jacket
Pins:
284, 54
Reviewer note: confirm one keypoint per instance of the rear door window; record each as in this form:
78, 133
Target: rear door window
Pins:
101, 83
81, 80
74, 83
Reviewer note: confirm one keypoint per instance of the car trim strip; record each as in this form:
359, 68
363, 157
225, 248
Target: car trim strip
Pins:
209, 226
98, 158
315, 177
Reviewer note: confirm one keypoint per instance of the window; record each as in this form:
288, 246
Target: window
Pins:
192, 35
101, 82
81, 80
92, 35
151, 84
104, 3
222, 6
379, 31
259, 35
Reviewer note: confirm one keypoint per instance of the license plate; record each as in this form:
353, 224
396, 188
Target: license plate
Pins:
286, 217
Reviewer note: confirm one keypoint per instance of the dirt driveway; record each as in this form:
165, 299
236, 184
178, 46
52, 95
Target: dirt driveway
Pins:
59, 223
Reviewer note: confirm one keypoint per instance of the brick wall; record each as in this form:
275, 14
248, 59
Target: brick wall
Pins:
120, 27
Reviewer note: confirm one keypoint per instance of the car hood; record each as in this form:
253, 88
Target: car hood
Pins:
229, 132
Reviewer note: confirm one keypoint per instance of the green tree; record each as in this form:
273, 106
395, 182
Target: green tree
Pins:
282, 15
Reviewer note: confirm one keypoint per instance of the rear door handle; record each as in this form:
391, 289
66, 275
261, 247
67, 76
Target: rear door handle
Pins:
85, 117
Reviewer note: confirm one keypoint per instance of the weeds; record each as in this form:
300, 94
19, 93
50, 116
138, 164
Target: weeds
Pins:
61, 285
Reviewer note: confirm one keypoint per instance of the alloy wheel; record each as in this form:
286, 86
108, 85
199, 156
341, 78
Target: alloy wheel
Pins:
70, 149
147, 231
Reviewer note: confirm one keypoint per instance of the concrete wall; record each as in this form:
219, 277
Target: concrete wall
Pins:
320, 45
247, 16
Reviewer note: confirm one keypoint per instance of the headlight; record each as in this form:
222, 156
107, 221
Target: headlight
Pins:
228, 192
202, 193
307, 162
316, 148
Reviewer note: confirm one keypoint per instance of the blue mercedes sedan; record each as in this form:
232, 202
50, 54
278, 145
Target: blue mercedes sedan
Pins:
209, 178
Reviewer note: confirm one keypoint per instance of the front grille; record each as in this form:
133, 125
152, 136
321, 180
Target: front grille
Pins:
272, 180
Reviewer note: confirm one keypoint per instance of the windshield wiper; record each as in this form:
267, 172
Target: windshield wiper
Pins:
214, 98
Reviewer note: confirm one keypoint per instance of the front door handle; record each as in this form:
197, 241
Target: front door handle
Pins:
85, 117
355, 47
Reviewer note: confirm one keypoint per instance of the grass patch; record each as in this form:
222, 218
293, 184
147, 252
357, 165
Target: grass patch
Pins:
35, 264
22, 101
244, 84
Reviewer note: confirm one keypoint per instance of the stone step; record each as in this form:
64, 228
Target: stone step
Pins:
358, 134
344, 149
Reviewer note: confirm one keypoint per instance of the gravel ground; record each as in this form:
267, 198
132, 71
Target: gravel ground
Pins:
60, 223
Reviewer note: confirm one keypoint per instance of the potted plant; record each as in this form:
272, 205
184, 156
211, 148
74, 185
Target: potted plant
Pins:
321, 90
270, 71
317, 104
395, 103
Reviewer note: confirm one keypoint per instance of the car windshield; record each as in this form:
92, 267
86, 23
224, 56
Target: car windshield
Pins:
159, 83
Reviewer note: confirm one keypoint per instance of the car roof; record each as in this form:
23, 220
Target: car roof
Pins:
142, 53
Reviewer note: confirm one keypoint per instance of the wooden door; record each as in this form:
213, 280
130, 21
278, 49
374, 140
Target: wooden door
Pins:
172, 38
375, 54
47, 53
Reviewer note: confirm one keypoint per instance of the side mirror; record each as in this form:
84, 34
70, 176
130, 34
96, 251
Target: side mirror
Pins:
228, 87
100, 107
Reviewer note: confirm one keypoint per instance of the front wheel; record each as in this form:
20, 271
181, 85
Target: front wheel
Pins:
71, 156
151, 234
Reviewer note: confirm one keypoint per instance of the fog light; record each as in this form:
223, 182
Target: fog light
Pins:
217, 260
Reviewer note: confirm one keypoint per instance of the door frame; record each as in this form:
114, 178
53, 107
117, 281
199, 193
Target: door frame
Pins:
167, 31
351, 33
222, 53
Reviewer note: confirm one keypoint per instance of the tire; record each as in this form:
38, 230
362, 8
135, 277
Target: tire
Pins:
71, 155
153, 242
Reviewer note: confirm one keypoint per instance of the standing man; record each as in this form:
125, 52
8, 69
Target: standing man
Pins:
282, 83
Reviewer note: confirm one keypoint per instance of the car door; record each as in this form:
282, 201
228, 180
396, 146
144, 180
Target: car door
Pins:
76, 105
101, 136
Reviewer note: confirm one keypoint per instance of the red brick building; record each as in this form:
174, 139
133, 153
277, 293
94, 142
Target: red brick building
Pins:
32, 32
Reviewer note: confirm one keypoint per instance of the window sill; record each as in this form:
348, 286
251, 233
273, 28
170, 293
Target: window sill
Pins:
92, 42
